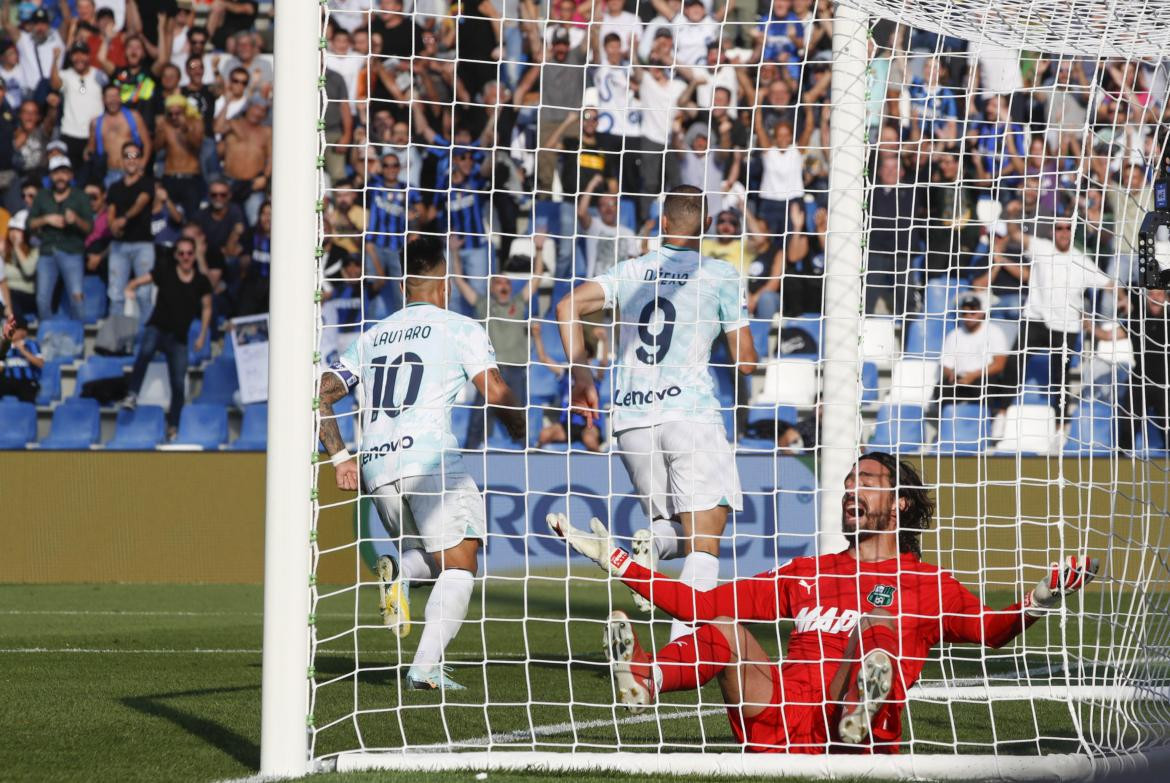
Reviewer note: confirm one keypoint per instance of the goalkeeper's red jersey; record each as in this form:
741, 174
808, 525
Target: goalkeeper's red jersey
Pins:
826, 597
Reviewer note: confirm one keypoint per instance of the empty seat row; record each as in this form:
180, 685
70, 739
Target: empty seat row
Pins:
76, 425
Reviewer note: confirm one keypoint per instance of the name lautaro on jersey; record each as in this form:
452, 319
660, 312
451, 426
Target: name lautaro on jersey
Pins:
401, 335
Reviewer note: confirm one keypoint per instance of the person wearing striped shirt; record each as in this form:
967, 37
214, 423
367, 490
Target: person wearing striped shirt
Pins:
22, 363
386, 201
465, 215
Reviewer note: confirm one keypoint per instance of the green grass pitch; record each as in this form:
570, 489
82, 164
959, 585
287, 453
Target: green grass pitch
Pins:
162, 682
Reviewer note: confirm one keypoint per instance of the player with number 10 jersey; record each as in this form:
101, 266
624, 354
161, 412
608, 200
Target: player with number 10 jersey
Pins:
671, 305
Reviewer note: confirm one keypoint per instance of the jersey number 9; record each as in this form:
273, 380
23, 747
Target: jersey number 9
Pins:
657, 345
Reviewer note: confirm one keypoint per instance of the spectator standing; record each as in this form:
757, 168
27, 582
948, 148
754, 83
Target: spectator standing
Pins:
110, 131
203, 98
184, 294
30, 140
974, 357
934, 111
135, 83
247, 56
22, 364
196, 49
166, 222
81, 100
7, 134
256, 266
179, 133
1148, 401
1007, 271
97, 244
222, 227
618, 122
386, 233
464, 211
229, 17
39, 46
783, 171
562, 85
132, 250
111, 52
507, 317
659, 97
887, 261
1059, 276
338, 124
20, 265
247, 155
12, 75
61, 219
606, 241
616, 20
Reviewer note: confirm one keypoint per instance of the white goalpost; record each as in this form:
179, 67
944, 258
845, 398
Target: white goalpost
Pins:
901, 299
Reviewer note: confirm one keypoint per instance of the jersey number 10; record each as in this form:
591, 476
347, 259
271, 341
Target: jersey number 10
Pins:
386, 379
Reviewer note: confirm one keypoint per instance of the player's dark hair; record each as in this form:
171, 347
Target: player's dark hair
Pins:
684, 208
424, 257
919, 505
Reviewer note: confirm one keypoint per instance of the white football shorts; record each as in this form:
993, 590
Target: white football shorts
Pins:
679, 467
430, 513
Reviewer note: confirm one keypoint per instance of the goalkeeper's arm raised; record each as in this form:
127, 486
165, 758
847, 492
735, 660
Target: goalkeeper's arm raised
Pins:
966, 619
754, 598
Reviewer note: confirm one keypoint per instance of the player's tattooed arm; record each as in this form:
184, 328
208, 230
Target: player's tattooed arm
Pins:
332, 389
503, 403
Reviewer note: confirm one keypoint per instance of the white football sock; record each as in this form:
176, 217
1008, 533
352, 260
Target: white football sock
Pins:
701, 571
446, 609
667, 535
417, 566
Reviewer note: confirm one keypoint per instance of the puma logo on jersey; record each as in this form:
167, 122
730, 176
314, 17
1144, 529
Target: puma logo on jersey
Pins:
828, 619
807, 585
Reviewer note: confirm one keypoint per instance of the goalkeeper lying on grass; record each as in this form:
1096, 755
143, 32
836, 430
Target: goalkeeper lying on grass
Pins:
865, 621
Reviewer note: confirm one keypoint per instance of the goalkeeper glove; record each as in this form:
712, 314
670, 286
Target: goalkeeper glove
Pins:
1063, 579
597, 547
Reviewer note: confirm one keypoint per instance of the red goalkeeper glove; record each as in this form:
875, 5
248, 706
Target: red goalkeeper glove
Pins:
1063, 579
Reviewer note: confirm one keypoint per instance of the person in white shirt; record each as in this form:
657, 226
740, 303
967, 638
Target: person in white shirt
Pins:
12, 75
606, 242
1053, 316
974, 356
342, 59
38, 47
783, 175
999, 69
81, 98
350, 14
669, 11
659, 96
616, 20
694, 30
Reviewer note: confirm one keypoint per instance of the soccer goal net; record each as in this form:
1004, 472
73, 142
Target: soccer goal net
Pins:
946, 224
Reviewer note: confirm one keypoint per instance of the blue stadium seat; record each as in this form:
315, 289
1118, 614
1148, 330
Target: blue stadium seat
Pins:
628, 213
97, 368
1090, 430
773, 413
220, 382
18, 423
811, 323
254, 429
761, 330
500, 439
724, 385
869, 382
76, 425
1036, 389
900, 428
50, 382
94, 308
139, 430
550, 337
962, 428
204, 425
59, 332
543, 385
460, 423
196, 358
1149, 442
924, 337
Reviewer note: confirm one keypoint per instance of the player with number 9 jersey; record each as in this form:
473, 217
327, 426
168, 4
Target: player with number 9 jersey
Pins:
671, 305
411, 367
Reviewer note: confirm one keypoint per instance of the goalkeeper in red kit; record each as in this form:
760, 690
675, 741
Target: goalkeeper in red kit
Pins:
865, 621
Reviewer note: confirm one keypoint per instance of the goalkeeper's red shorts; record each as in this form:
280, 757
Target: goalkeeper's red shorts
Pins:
798, 722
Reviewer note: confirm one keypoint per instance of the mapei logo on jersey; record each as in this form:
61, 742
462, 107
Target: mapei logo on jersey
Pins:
881, 595
377, 452
666, 278
826, 619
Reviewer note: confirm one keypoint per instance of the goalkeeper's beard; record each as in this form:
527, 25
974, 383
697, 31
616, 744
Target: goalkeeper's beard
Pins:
872, 524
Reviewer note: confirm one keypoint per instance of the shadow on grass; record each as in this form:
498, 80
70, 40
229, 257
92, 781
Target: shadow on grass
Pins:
239, 747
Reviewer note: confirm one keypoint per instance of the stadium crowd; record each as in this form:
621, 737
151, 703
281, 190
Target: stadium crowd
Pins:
538, 135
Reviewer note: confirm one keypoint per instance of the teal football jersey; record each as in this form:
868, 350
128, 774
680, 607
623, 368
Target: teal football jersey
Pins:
411, 368
671, 304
